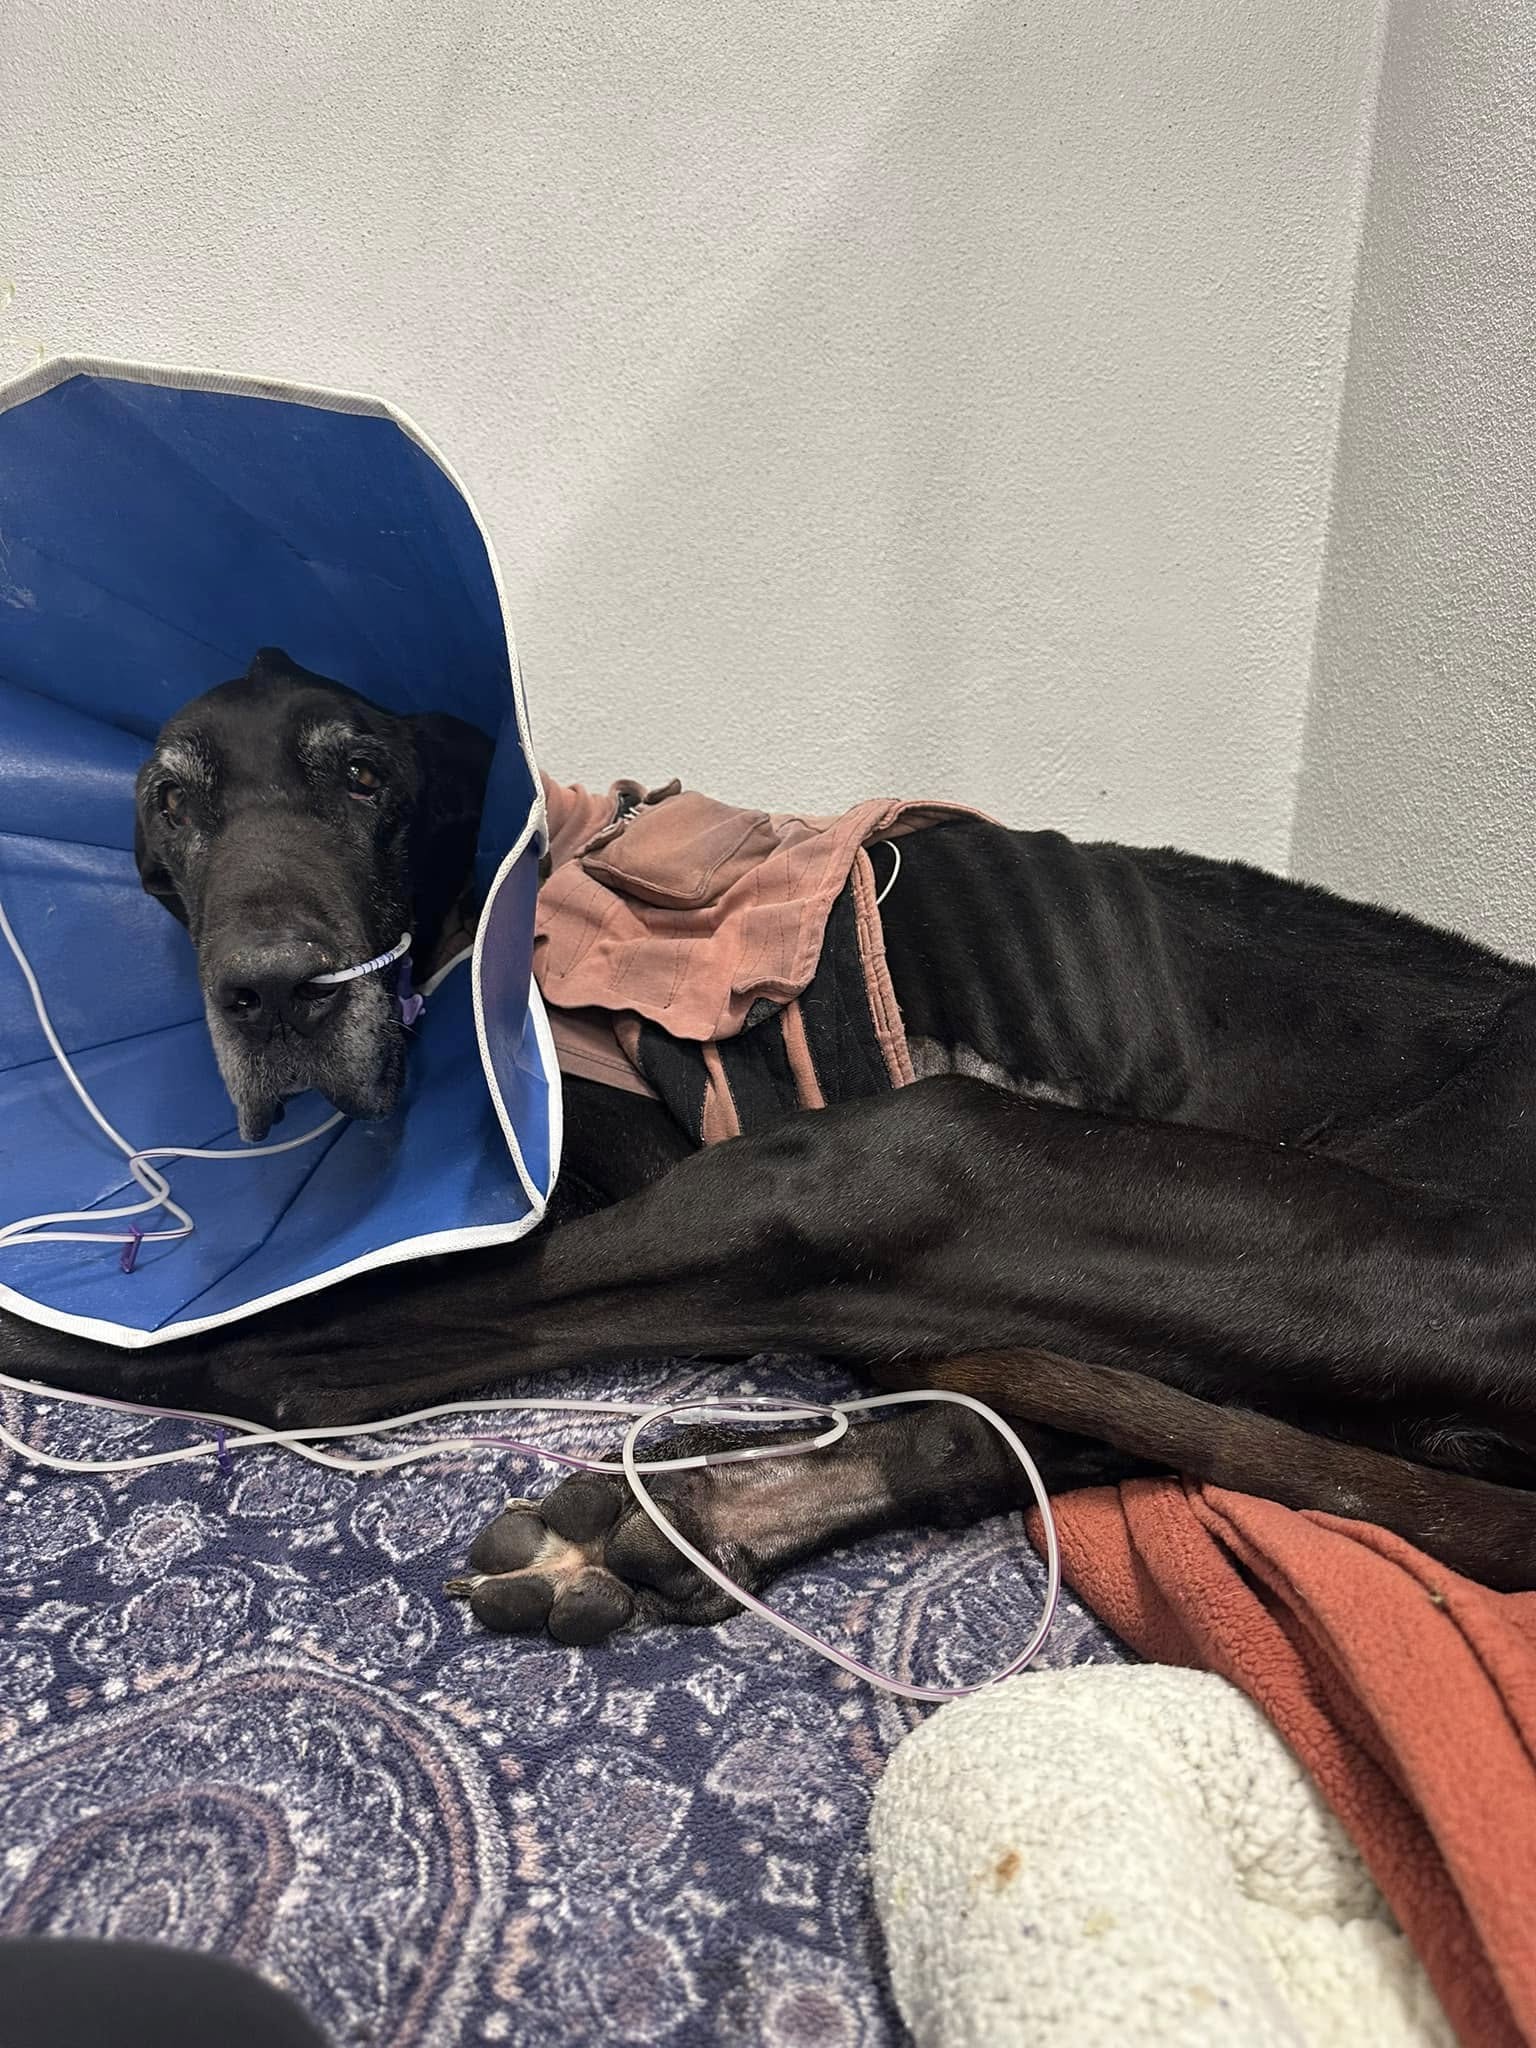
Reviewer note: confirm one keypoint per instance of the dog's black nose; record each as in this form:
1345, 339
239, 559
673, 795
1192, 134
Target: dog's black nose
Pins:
268, 988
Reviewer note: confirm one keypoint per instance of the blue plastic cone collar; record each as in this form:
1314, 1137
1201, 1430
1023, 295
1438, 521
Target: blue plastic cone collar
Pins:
157, 527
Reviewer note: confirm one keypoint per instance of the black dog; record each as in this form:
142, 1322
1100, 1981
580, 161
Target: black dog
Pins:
1253, 1199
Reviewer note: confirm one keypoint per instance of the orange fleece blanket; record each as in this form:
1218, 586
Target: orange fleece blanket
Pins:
1407, 1691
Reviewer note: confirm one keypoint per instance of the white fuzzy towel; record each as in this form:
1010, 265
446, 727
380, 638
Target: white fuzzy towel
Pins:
1130, 1854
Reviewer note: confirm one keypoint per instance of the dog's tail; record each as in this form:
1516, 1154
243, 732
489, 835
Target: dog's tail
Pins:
1486, 1531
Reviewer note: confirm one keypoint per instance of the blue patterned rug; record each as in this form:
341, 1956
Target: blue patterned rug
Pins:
237, 1715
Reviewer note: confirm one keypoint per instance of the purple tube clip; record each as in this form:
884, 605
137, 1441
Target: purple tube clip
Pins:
411, 1004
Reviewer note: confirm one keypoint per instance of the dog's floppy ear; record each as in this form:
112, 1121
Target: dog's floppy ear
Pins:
155, 875
453, 760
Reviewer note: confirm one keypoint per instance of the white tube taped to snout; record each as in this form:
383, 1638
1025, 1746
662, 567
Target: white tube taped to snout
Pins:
368, 967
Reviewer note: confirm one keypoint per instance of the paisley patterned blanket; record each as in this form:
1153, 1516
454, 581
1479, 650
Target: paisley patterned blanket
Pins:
237, 1714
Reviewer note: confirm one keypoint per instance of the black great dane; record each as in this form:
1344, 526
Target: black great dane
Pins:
1249, 1193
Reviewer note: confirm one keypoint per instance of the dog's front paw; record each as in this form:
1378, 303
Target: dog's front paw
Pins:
586, 1560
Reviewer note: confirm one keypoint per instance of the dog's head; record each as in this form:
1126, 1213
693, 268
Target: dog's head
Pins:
295, 828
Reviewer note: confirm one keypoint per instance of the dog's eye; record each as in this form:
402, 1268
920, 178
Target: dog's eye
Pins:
173, 805
362, 781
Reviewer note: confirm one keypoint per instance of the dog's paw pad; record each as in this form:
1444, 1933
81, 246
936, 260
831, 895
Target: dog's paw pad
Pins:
540, 1565
511, 1542
584, 1507
582, 1562
511, 1603
593, 1606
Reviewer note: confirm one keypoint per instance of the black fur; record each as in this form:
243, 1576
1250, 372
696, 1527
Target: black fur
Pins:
1253, 1199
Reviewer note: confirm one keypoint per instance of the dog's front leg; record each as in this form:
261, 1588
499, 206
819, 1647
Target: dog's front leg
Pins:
953, 1217
807, 1236
585, 1559
750, 1244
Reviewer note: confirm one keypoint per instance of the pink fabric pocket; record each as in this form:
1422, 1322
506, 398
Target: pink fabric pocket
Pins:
683, 854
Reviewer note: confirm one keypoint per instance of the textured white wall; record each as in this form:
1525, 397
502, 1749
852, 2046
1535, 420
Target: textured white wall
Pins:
936, 396
1418, 785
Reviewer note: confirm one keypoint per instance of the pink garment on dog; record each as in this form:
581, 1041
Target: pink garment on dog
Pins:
668, 907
